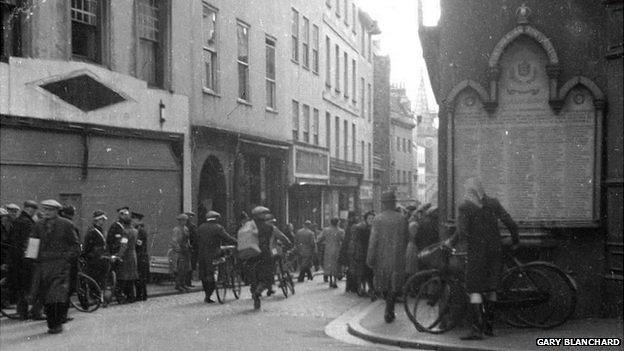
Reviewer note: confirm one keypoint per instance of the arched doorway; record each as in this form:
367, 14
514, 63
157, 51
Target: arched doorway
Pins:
212, 189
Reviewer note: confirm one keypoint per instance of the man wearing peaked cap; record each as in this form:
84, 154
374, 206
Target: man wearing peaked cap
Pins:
58, 246
94, 248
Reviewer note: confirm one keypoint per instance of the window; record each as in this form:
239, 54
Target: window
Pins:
362, 40
151, 23
306, 123
327, 62
346, 140
363, 97
370, 102
294, 30
409, 146
404, 144
209, 26
315, 49
328, 130
346, 75
86, 25
243, 61
338, 8
353, 82
353, 143
370, 161
305, 43
346, 12
315, 126
269, 44
370, 50
295, 120
409, 177
10, 30
337, 146
398, 176
398, 144
363, 154
337, 72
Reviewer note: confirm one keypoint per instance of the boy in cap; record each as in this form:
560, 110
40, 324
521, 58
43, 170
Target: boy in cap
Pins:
58, 246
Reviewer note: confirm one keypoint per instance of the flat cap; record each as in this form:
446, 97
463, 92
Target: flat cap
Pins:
126, 208
307, 221
98, 214
12, 207
190, 213
51, 203
3, 212
388, 196
182, 216
31, 204
258, 210
212, 215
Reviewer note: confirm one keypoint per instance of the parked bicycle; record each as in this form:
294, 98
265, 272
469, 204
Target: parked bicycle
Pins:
87, 296
535, 294
227, 273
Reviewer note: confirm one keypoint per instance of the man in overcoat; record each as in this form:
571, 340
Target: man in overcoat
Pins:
386, 252
210, 236
181, 247
21, 266
305, 244
59, 246
142, 257
261, 266
127, 272
94, 248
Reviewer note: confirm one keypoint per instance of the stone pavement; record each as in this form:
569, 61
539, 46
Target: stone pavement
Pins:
369, 325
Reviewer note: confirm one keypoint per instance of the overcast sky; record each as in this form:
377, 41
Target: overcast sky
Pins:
398, 21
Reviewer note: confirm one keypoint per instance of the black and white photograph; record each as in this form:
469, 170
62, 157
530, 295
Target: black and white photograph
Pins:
276, 175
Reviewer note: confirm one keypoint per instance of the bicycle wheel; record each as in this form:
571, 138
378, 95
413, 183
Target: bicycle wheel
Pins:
290, 282
281, 278
410, 291
88, 296
222, 282
544, 296
237, 283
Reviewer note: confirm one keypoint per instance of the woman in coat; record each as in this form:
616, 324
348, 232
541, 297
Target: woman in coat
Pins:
332, 238
477, 227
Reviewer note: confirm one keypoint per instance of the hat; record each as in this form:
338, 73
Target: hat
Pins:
3, 212
31, 204
270, 217
136, 215
51, 203
307, 221
190, 213
12, 207
212, 215
97, 214
123, 208
388, 196
182, 216
68, 210
258, 210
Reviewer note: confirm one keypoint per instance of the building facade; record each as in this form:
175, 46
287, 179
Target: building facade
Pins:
94, 108
426, 139
402, 150
381, 132
529, 102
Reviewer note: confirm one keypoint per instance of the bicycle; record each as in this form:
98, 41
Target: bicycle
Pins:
87, 295
535, 294
227, 274
283, 273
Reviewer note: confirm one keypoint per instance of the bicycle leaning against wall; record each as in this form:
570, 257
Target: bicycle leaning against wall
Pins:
535, 294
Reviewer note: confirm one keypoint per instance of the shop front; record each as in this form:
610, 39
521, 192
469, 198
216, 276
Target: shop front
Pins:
311, 179
343, 194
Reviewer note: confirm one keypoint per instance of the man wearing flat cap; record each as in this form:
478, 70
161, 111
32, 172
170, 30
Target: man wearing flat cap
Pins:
59, 245
261, 266
95, 247
181, 252
21, 268
210, 236
386, 252
142, 256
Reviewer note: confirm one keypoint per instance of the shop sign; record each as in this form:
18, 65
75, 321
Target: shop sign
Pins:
343, 179
310, 163
366, 192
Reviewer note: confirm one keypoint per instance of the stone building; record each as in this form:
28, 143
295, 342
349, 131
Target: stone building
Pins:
426, 138
94, 109
381, 131
530, 99
402, 150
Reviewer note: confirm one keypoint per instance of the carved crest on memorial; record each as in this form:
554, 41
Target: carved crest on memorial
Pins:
522, 14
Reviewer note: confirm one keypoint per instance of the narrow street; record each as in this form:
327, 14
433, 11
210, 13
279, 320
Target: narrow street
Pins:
185, 322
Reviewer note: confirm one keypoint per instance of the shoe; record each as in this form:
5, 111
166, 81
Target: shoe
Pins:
56, 330
389, 317
475, 316
256, 299
68, 319
190, 285
179, 288
208, 300
38, 318
270, 292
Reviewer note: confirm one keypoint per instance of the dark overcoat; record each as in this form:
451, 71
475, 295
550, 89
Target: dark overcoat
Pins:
127, 269
59, 246
305, 244
210, 236
361, 238
93, 249
142, 254
386, 251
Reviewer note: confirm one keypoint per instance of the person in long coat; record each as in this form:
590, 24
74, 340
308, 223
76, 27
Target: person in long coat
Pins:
94, 248
21, 266
477, 228
142, 257
332, 238
127, 272
346, 253
210, 236
261, 266
305, 246
192, 228
361, 238
386, 252
181, 252
58, 246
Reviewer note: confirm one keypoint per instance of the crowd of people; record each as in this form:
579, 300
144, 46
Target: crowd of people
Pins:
375, 253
